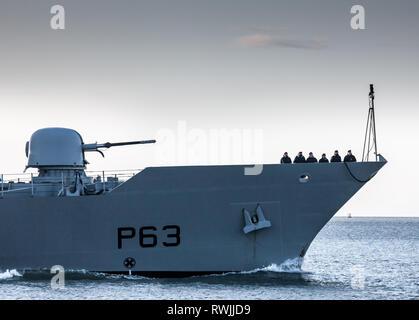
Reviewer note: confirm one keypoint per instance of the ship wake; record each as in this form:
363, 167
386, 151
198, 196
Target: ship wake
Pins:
288, 266
9, 274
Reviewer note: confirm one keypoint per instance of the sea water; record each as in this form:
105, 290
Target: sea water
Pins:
357, 258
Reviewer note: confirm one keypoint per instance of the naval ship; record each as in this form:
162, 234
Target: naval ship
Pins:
167, 221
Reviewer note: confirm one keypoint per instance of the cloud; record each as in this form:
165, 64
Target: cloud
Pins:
262, 29
254, 41
266, 41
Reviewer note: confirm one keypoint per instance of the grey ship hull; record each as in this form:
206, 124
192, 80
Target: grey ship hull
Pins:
98, 233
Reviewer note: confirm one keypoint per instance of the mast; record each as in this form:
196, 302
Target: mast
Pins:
370, 140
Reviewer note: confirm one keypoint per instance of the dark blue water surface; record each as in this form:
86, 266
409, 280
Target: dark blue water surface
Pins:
358, 258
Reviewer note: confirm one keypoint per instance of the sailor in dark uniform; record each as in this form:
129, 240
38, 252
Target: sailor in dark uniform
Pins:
349, 157
311, 158
285, 158
300, 158
324, 159
336, 157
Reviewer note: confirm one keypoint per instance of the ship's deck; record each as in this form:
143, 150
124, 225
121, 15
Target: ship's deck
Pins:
32, 184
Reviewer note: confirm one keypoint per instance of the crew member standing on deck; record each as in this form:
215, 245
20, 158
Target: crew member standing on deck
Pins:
285, 158
300, 158
349, 157
336, 157
311, 158
323, 159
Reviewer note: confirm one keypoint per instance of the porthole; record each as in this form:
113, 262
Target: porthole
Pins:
304, 178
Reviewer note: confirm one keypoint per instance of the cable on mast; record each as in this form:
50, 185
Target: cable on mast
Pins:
370, 140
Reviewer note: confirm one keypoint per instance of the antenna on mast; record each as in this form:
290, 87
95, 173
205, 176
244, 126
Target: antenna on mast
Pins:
370, 141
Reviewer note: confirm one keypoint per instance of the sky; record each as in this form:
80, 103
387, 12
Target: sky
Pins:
217, 82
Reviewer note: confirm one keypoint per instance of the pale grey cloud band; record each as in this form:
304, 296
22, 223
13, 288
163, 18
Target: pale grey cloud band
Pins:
264, 40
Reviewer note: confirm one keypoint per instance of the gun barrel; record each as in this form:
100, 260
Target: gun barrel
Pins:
116, 144
95, 146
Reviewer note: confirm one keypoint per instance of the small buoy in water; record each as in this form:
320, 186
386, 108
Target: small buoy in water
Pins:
348, 215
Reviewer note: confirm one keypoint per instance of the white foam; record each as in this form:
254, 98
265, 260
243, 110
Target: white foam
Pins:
8, 274
290, 265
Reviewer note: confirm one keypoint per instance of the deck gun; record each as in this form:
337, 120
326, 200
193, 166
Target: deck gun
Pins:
96, 146
62, 148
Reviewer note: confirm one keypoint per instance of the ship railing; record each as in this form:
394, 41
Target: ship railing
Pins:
22, 179
15, 178
109, 175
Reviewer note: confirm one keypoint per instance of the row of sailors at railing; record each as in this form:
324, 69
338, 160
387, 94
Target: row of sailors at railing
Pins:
312, 159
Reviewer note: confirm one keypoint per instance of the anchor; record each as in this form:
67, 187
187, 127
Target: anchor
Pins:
256, 221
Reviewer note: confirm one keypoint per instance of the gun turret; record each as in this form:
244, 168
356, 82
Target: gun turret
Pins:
107, 145
64, 148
